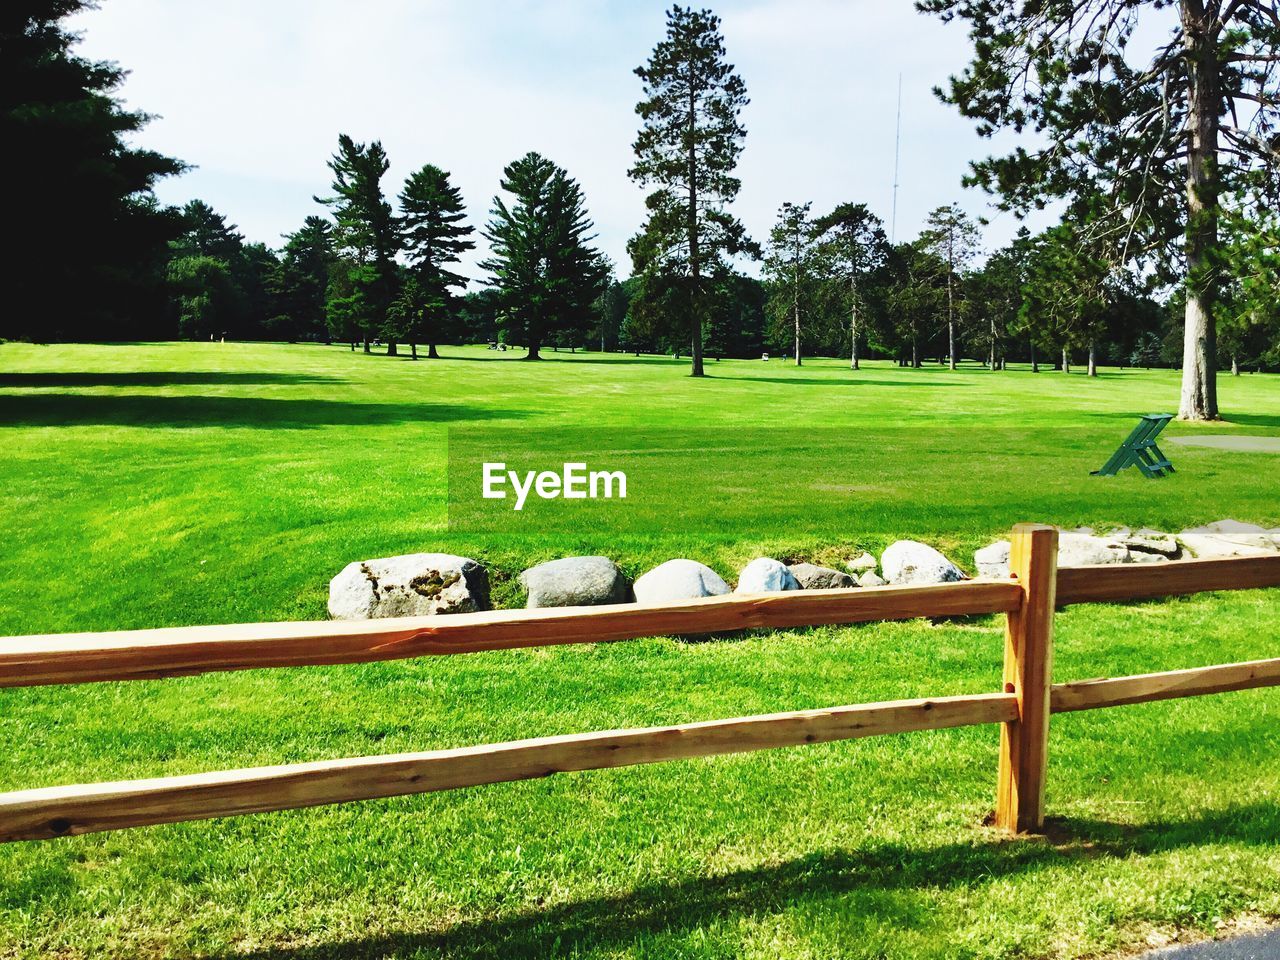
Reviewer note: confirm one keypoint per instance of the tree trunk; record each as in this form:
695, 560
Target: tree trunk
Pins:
1066, 360
796, 311
695, 268
915, 355
1199, 342
1235, 365
366, 345
431, 352
853, 327
993, 344
391, 349
533, 354
413, 350
1093, 359
951, 325
1035, 364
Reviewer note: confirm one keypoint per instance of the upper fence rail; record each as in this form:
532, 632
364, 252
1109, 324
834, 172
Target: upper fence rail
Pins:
182, 651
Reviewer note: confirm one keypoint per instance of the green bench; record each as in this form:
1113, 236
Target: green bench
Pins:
1140, 450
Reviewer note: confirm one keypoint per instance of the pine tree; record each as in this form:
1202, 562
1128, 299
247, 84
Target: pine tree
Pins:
688, 146
851, 246
302, 279
952, 237
789, 268
544, 269
431, 215
72, 177
367, 230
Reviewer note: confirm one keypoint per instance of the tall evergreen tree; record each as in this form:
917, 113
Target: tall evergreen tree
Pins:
70, 173
431, 215
545, 270
1161, 135
301, 281
952, 237
789, 268
206, 233
851, 245
687, 148
367, 231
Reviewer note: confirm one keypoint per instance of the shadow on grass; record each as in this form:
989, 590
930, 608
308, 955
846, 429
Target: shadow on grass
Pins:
834, 381
157, 378
1252, 419
141, 410
891, 885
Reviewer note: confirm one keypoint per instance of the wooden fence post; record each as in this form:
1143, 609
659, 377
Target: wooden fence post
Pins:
1028, 673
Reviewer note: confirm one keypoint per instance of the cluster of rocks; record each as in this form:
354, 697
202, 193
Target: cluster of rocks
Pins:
1083, 547
435, 583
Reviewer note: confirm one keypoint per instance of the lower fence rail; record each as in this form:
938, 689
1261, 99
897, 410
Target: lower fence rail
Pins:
62, 811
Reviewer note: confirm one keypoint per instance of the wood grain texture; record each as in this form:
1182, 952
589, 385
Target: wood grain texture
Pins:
1170, 685
62, 811
1028, 672
149, 654
1139, 581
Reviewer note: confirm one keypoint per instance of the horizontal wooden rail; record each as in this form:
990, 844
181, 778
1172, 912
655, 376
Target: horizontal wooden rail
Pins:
178, 651
1143, 688
61, 811
1141, 581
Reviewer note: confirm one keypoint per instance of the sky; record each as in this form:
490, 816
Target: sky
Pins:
253, 95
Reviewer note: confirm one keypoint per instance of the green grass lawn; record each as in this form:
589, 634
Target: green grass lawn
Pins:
151, 485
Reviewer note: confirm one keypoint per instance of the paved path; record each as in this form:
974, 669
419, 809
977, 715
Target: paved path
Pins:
1253, 946
1234, 443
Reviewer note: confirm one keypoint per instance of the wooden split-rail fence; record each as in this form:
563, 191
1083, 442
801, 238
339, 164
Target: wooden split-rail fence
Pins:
1022, 706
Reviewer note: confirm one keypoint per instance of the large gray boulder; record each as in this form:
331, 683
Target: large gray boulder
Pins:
575, 582
766, 575
412, 585
813, 577
909, 561
678, 580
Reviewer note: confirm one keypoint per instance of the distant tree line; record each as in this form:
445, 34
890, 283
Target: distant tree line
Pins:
1166, 254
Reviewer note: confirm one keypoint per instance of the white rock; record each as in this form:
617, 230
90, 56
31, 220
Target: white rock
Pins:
1081, 550
412, 585
1205, 547
993, 560
678, 580
766, 575
862, 563
909, 561
1227, 526
871, 579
